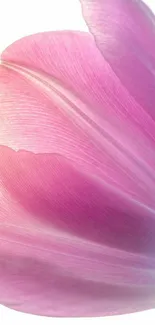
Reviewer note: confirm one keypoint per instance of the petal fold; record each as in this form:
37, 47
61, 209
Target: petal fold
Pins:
64, 253
77, 210
124, 32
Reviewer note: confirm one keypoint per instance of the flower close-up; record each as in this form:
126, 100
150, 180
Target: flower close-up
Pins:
77, 166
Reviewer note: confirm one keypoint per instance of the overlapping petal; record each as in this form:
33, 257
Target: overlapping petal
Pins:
77, 191
124, 32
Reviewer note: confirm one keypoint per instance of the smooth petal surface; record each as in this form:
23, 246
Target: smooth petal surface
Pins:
124, 31
77, 221
85, 96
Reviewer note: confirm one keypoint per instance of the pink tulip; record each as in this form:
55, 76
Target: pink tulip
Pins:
77, 166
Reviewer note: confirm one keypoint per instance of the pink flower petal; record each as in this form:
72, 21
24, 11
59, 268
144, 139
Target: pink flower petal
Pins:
125, 34
87, 99
76, 63
77, 204
46, 270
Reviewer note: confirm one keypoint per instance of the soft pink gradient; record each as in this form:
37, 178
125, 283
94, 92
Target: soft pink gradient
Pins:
124, 32
77, 161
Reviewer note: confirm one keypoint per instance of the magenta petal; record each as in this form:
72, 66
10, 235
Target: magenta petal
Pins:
125, 34
75, 63
46, 270
54, 197
77, 209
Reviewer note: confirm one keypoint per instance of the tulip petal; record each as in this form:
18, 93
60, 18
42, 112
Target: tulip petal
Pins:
54, 196
124, 31
98, 108
77, 209
50, 264
73, 59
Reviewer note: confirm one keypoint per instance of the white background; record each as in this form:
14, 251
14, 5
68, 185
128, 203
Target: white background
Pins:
19, 18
